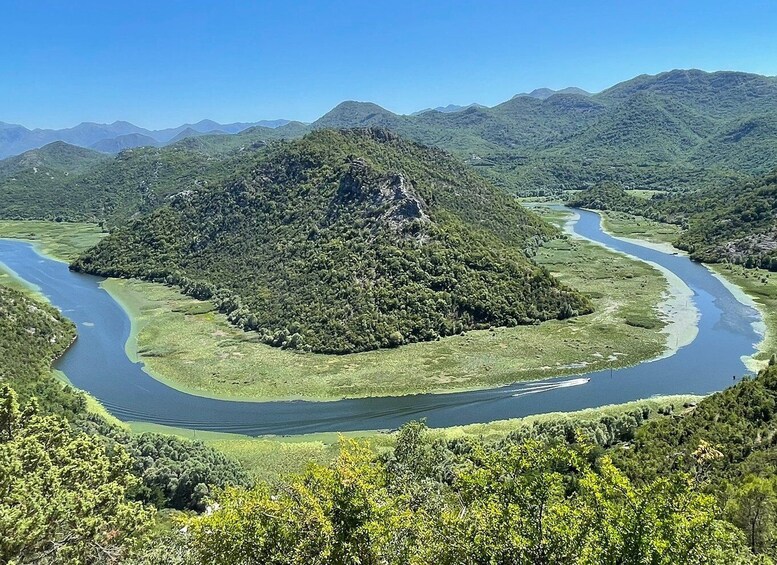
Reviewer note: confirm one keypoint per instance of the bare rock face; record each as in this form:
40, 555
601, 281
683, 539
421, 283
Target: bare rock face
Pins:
402, 202
389, 200
755, 244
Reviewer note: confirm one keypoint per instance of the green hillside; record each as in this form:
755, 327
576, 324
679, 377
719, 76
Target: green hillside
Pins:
66, 182
57, 156
736, 223
747, 144
107, 189
673, 131
168, 469
347, 241
680, 130
722, 94
32, 335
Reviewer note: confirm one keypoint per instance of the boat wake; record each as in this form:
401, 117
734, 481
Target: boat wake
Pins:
534, 388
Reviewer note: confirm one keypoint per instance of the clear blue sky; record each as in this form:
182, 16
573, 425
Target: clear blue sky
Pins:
163, 62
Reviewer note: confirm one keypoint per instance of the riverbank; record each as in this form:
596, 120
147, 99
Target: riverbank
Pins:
270, 458
186, 344
62, 241
676, 307
757, 288
752, 287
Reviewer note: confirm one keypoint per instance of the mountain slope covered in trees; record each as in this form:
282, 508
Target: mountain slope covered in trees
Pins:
347, 241
110, 190
675, 130
65, 182
736, 224
683, 129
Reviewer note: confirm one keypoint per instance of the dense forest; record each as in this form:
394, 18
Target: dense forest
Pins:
110, 191
347, 241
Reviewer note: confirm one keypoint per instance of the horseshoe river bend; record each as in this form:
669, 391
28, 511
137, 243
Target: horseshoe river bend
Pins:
97, 361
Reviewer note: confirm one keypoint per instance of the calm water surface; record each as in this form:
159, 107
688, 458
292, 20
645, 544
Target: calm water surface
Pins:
98, 363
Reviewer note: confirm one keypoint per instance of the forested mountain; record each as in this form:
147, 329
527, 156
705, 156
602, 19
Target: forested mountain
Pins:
347, 241
111, 190
122, 142
66, 182
352, 114
57, 156
724, 94
736, 223
675, 130
449, 108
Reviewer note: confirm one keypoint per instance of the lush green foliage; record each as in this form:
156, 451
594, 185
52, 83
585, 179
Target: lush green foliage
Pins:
347, 241
735, 431
522, 503
736, 224
740, 421
694, 487
32, 335
675, 130
173, 472
63, 497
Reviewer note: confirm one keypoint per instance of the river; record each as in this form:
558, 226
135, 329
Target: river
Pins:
98, 363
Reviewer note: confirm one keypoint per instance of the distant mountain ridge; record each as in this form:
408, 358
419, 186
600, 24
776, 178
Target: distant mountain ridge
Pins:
449, 108
543, 93
110, 138
672, 131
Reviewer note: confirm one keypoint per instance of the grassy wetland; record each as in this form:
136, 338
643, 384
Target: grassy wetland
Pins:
60, 240
188, 345
635, 227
